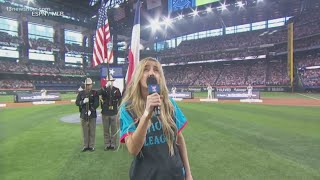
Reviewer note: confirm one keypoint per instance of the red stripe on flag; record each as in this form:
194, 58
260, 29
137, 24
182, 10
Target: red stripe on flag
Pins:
134, 53
131, 66
103, 82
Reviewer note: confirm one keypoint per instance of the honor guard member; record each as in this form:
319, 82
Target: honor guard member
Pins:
88, 102
111, 97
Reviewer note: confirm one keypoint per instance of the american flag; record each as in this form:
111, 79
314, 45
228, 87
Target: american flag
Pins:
134, 52
101, 54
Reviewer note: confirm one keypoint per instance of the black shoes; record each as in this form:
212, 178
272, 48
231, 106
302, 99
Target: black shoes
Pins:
84, 149
109, 148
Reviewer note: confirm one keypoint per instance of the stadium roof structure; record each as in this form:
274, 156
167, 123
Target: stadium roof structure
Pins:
121, 18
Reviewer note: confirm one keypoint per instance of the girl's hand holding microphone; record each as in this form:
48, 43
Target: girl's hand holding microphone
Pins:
153, 100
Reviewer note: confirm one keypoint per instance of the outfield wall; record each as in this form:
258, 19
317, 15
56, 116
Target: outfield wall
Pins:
235, 89
179, 89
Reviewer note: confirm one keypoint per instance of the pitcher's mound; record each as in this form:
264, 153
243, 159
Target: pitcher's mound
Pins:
75, 118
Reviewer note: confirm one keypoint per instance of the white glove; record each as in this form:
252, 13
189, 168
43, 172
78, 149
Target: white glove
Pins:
89, 113
108, 84
86, 100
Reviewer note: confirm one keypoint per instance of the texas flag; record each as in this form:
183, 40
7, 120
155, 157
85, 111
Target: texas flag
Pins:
134, 52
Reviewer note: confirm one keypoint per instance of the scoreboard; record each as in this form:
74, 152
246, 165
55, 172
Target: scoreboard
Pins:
174, 5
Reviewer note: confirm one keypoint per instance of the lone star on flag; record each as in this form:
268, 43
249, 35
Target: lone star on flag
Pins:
112, 71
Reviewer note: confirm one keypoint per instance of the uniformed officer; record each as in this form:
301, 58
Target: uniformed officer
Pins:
111, 97
88, 102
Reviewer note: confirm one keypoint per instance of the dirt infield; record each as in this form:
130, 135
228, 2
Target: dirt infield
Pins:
28, 104
267, 101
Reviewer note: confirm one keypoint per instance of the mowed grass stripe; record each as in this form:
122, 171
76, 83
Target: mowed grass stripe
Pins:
40, 145
294, 119
17, 120
292, 147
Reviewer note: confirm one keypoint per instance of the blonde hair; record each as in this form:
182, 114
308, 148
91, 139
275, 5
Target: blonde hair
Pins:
135, 101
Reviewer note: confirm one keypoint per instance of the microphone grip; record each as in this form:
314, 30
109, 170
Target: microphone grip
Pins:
156, 110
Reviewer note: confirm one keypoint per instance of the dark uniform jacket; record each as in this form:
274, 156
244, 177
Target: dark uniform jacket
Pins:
93, 103
111, 98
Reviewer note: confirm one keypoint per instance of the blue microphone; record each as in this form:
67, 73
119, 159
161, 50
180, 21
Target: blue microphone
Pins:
153, 87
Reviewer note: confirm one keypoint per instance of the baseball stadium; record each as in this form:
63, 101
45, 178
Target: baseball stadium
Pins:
245, 74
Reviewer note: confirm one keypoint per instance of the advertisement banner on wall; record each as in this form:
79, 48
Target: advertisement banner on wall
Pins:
32, 97
183, 95
236, 95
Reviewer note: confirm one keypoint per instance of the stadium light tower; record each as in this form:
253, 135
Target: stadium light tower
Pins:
195, 12
223, 7
180, 17
155, 25
208, 9
240, 4
167, 21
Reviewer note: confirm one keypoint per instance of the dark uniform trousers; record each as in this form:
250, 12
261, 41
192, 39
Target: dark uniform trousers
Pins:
109, 137
111, 97
88, 124
89, 132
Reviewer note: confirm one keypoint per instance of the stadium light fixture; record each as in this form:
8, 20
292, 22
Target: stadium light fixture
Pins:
240, 4
155, 25
209, 9
167, 21
223, 7
195, 12
180, 17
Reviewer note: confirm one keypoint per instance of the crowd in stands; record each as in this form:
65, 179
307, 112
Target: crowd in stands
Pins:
262, 72
42, 44
5, 37
43, 68
181, 75
308, 16
47, 68
71, 70
11, 66
311, 78
257, 73
277, 74
209, 74
15, 84
233, 75
310, 60
239, 40
58, 83
232, 55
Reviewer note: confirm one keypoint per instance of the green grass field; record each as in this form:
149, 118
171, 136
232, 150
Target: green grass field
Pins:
225, 141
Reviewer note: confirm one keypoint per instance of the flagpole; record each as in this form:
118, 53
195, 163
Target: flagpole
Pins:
108, 67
